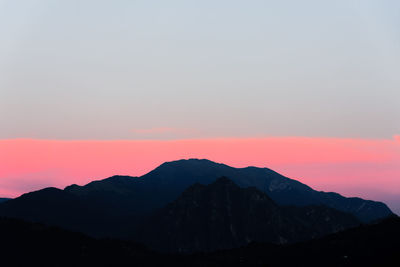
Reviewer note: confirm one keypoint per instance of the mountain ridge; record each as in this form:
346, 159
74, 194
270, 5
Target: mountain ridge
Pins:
115, 205
265, 179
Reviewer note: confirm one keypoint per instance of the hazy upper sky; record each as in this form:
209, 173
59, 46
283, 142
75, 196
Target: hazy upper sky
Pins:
190, 69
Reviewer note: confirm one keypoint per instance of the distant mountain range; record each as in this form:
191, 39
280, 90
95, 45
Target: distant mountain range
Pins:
123, 206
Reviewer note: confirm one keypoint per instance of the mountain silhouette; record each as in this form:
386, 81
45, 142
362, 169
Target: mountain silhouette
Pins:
222, 215
171, 178
118, 205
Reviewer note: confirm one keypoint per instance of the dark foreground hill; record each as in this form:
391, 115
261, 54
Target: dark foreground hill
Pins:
30, 244
222, 215
33, 244
117, 205
369, 245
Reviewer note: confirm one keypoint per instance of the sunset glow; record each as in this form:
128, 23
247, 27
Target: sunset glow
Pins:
369, 168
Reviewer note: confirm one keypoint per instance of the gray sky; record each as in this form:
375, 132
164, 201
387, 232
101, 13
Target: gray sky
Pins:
194, 69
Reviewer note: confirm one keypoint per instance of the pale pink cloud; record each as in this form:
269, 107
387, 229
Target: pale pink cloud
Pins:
359, 167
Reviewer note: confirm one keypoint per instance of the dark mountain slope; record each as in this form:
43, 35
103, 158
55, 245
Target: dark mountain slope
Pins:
55, 207
108, 208
222, 215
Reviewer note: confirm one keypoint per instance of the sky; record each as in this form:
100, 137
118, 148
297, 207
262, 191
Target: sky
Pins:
162, 73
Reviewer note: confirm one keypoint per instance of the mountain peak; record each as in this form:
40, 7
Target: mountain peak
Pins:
190, 162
